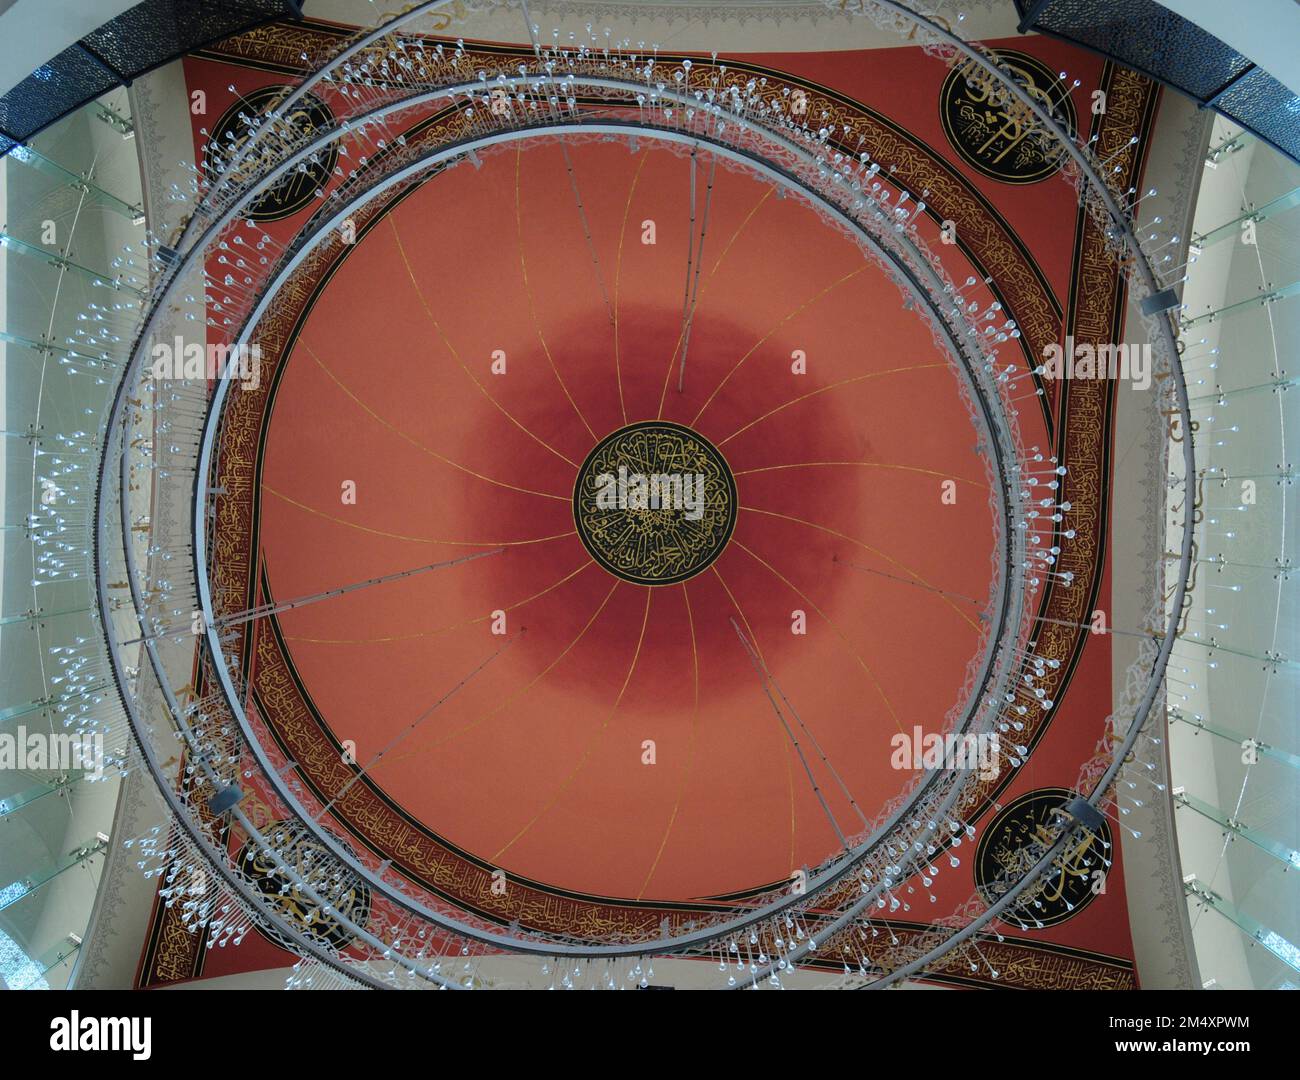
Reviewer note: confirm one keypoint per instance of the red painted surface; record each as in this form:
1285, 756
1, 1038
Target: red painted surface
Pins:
536, 764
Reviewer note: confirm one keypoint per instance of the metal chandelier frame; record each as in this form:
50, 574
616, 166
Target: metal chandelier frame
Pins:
217, 757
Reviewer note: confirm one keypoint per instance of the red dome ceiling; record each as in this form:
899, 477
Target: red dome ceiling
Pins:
536, 762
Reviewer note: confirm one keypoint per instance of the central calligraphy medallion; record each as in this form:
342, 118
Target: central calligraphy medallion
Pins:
655, 503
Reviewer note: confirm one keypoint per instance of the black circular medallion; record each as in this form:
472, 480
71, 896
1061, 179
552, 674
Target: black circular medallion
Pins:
655, 503
991, 131
1016, 838
343, 893
299, 186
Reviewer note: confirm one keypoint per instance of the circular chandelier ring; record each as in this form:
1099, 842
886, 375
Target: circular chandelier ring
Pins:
1138, 264
844, 863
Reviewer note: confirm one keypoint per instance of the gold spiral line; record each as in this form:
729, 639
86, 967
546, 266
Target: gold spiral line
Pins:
690, 752
415, 442
442, 629
874, 551
410, 539
840, 633
785, 743
827, 387
591, 743
518, 693
401, 250
754, 348
663, 394
528, 292
865, 465
618, 275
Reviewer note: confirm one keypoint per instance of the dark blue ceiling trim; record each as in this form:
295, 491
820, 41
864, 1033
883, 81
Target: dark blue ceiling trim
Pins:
1161, 44
143, 37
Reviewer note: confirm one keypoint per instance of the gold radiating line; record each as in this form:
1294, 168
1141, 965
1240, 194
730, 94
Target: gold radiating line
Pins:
591, 743
785, 743
690, 752
734, 236
663, 394
518, 693
618, 275
401, 250
842, 636
769, 682
824, 389
415, 442
443, 629
412, 539
862, 464
528, 292
797, 311
867, 547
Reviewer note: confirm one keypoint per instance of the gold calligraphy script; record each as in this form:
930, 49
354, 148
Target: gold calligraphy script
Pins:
343, 892
292, 192
1018, 837
993, 131
654, 503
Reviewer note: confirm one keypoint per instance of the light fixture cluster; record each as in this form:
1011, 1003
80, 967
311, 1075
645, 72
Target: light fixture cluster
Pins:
145, 539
